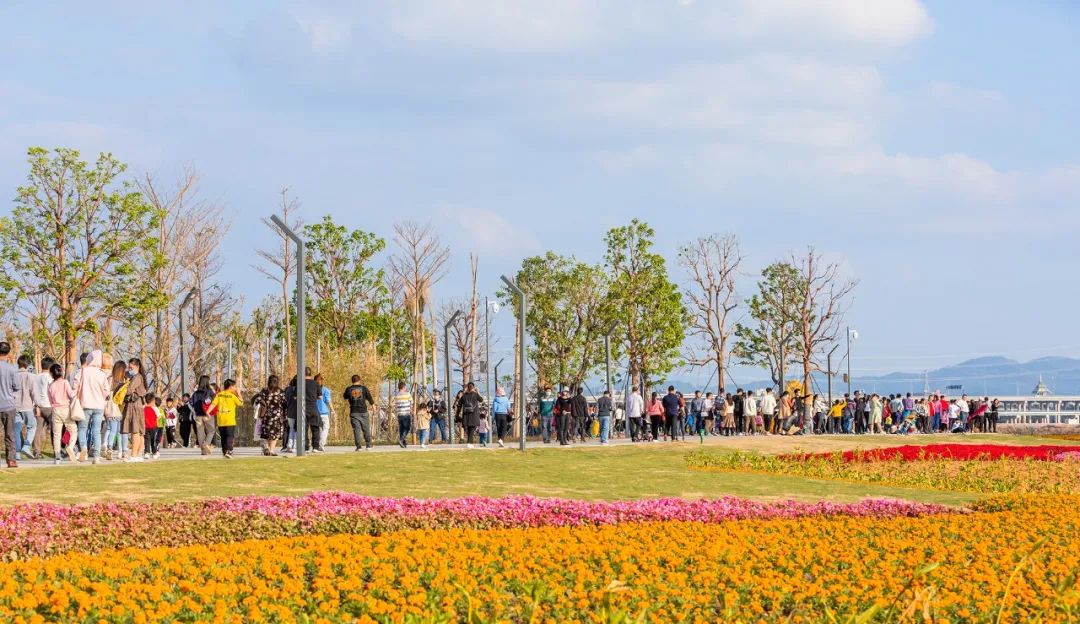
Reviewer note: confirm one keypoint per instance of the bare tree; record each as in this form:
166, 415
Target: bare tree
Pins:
712, 263
461, 355
189, 236
822, 302
280, 264
418, 264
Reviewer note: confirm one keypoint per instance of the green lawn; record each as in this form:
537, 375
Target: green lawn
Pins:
588, 473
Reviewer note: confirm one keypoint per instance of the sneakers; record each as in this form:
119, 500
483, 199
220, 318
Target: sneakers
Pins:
501, 445
228, 455
359, 448
94, 461
156, 455
469, 446
423, 446
56, 462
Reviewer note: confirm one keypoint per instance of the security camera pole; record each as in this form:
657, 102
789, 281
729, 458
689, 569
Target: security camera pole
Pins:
446, 359
519, 403
301, 309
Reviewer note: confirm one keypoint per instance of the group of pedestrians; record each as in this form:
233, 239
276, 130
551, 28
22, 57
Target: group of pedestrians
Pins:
673, 416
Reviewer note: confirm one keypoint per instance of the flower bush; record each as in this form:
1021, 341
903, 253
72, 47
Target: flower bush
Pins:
987, 452
1016, 561
979, 475
45, 529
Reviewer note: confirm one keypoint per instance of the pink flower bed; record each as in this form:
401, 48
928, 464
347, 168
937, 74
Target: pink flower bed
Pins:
42, 529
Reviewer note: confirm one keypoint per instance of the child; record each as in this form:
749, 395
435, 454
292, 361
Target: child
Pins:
224, 407
484, 430
171, 416
150, 420
160, 424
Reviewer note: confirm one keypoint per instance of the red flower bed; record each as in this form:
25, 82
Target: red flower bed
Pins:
955, 451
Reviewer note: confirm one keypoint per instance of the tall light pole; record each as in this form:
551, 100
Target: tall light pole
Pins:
607, 358
183, 356
497, 365
851, 335
446, 361
520, 402
829, 373
301, 309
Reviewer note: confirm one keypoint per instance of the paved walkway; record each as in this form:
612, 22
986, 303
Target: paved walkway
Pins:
192, 454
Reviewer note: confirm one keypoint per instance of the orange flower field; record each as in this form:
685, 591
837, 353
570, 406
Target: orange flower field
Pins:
1011, 559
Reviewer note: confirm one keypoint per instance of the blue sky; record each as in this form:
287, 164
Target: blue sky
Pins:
931, 148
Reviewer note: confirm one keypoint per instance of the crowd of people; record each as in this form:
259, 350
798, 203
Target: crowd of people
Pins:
672, 416
106, 410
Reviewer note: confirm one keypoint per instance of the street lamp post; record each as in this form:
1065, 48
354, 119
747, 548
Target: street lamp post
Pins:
446, 361
501, 360
183, 356
520, 402
851, 335
607, 358
301, 309
829, 372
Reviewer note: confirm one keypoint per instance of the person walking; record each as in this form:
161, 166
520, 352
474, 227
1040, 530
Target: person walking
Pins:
133, 422
223, 409
563, 416
655, 412
204, 422
469, 405
42, 405
728, 411
25, 421
9, 390
93, 390
547, 411
403, 409
312, 392
114, 414
60, 396
579, 413
635, 414
604, 408
359, 398
186, 416
438, 411
326, 411
768, 411
671, 404
876, 411
500, 407
270, 401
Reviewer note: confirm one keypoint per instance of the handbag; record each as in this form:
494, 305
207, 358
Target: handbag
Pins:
75, 411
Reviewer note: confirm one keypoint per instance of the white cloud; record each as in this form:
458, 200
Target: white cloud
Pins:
488, 232
888, 22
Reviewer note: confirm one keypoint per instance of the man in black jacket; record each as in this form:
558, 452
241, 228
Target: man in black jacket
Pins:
359, 398
563, 415
579, 409
437, 409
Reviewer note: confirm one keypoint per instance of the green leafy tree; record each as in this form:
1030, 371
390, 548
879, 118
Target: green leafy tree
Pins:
569, 309
347, 293
646, 304
84, 238
771, 340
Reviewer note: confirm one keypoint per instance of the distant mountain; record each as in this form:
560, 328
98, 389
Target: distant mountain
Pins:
992, 375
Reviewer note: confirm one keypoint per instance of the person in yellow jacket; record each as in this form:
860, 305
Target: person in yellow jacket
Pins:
224, 406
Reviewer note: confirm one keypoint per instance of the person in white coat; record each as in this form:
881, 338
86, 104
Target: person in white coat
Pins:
635, 412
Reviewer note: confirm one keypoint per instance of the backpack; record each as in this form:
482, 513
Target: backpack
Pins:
120, 395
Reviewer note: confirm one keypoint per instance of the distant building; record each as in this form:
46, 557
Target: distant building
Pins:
1041, 389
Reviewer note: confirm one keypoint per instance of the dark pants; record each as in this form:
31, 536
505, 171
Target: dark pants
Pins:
438, 423
657, 423
314, 424
170, 435
7, 421
185, 433
637, 428
228, 438
673, 428
991, 423
404, 424
360, 427
502, 425
152, 445
564, 428
469, 433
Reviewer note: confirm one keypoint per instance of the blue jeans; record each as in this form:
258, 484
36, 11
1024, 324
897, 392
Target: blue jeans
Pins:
95, 418
423, 435
112, 435
935, 423
437, 423
28, 419
545, 427
83, 429
605, 428
847, 424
